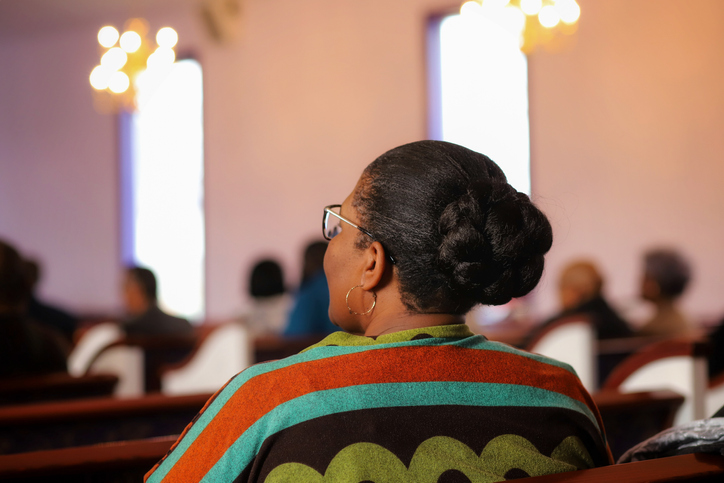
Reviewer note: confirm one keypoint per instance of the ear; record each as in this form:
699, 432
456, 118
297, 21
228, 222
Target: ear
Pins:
375, 264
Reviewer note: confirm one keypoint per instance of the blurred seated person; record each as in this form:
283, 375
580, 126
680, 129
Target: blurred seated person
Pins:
269, 301
666, 276
44, 313
26, 347
580, 289
716, 353
310, 312
145, 316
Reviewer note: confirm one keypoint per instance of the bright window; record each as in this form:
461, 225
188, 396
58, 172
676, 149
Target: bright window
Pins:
163, 189
479, 78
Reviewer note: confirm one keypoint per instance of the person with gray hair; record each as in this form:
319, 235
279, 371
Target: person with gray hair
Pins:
666, 275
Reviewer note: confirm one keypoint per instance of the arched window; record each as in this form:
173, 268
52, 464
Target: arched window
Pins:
479, 91
162, 192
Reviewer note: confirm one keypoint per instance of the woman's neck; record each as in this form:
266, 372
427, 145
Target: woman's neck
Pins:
405, 321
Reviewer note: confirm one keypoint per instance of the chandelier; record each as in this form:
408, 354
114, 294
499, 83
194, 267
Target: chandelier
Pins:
126, 59
536, 22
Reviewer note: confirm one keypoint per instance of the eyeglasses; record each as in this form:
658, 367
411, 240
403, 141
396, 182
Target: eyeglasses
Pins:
332, 225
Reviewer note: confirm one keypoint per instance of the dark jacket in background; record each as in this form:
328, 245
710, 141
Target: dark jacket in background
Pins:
608, 324
29, 348
54, 317
310, 313
155, 322
716, 356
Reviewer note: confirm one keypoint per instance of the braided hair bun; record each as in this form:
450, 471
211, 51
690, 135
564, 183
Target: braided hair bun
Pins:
487, 251
460, 234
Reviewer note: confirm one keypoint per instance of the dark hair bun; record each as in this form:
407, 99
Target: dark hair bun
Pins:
460, 234
493, 242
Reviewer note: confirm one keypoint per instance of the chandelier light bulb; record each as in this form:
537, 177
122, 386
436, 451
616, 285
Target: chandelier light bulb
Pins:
513, 19
99, 77
549, 17
119, 82
122, 61
107, 36
167, 37
568, 10
470, 8
162, 57
495, 3
114, 59
531, 7
130, 41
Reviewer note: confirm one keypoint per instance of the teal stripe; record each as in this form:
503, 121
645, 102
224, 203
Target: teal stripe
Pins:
333, 401
472, 343
476, 342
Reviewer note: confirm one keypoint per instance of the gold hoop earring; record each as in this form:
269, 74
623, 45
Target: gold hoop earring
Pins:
374, 302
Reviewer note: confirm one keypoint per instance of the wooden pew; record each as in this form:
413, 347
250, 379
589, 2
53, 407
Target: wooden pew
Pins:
75, 423
119, 462
630, 418
570, 340
129, 461
57, 386
612, 352
158, 351
222, 352
715, 395
677, 364
699, 468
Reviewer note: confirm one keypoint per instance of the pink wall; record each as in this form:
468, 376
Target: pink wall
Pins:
312, 91
58, 190
626, 143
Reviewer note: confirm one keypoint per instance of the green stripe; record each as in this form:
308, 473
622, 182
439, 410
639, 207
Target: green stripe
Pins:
476, 342
458, 334
453, 331
333, 401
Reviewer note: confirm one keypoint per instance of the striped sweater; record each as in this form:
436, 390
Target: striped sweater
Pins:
425, 405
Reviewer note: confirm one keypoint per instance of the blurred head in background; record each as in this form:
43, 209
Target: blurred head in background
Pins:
267, 279
139, 290
666, 275
313, 259
580, 282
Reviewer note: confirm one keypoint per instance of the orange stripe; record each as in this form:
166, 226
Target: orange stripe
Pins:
263, 393
186, 430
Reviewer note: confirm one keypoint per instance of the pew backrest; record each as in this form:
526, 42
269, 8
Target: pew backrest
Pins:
678, 365
56, 386
715, 395
630, 418
221, 354
90, 344
127, 363
53, 425
570, 340
122, 461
